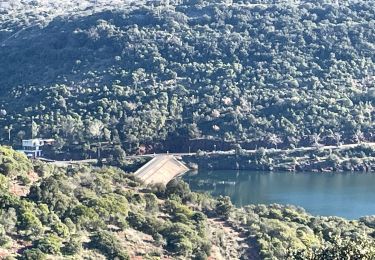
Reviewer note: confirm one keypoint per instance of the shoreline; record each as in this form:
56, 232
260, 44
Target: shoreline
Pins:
338, 159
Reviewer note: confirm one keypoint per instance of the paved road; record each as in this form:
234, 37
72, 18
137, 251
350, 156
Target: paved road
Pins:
93, 161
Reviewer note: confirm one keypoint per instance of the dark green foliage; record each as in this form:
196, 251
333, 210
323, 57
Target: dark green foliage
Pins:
63, 209
354, 157
109, 245
151, 202
276, 75
179, 238
288, 232
200, 255
28, 219
33, 254
362, 248
53, 191
51, 244
178, 189
73, 246
136, 220
224, 207
144, 223
86, 218
14, 164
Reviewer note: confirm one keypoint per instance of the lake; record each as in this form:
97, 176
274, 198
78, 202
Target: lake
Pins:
349, 195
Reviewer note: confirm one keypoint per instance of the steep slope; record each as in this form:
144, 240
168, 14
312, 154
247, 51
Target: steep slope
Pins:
102, 213
170, 77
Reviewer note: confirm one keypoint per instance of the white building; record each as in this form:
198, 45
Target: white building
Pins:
4, 5
32, 147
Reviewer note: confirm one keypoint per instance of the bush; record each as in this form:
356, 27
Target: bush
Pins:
224, 207
109, 245
151, 202
33, 254
178, 188
73, 246
4, 184
200, 255
4, 239
136, 220
147, 224
340, 249
158, 189
30, 222
50, 244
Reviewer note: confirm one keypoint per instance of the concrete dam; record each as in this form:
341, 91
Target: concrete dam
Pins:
161, 169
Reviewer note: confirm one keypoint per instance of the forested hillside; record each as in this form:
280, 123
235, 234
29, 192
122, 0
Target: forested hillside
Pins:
255, 73
50, 212
87, 213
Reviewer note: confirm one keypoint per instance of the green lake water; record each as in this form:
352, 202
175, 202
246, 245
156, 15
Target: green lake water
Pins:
349, 195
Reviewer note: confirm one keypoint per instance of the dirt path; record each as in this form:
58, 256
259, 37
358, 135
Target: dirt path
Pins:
230, 243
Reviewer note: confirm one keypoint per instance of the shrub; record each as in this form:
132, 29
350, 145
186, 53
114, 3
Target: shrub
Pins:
33, 254
149, 225
30, 222
224, 207
109, 245
178, 188
4, 184
51, 244
4, 239
340, 249
73, 246
200, 255
151, 202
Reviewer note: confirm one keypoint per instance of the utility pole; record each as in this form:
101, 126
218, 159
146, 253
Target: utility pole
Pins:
32, 127
9, 128
99, 148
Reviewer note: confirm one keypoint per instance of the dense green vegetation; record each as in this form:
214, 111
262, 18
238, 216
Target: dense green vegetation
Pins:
195, 74
359, 157
13, 164
88, 212
104, 213
287, 232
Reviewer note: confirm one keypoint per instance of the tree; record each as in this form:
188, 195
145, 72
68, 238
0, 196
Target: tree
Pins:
21, 134
194, 131
4, 183
224, 207
178, 188
337, 138
51, 244
362, 248
73, 246
315, 138
274, 140
293, 141
109, 245
358, 136
34, 129
119, 155
95, 128
33, 254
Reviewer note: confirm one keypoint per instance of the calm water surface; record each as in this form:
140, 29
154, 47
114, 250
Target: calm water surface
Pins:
349, 195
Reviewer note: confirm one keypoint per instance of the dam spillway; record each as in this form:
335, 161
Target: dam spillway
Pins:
161, 169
